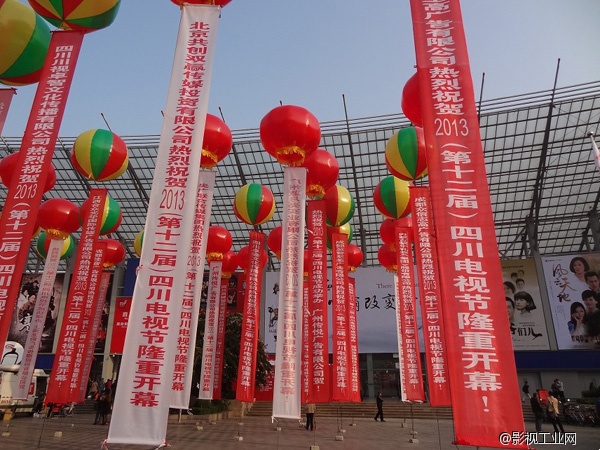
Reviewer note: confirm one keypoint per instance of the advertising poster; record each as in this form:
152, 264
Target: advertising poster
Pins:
23, 312
524, 305
122, 307
573, 285
375, 311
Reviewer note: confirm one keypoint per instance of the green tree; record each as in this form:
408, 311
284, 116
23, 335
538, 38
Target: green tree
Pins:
233, 333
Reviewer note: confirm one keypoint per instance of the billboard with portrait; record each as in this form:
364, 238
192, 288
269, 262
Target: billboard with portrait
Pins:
524, 305
573, 284
23, 312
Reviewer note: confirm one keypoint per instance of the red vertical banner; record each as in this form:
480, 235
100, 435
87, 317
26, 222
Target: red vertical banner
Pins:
481, 362
353, 342
213, 301
35, 157
340, 389
430, 298
121, 319
220, 342
6, 95
99, 282
318, 390
67, 368
306, 344
408, 315
251, 322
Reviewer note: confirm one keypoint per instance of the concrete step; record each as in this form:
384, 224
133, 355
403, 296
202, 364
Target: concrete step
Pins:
391, 409
366, 409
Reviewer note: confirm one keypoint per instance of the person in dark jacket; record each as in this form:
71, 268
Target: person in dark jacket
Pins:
538, 411
379, 407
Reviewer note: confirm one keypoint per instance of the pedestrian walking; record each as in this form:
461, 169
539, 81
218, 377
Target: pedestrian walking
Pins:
379, 414
553, 413
311, 408
538, 411
525, 390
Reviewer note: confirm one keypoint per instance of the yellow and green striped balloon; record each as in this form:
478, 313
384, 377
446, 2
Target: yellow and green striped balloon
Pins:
254, 204
138, 243
344, 229
111, 215
99, 155
405, 155
392, 197
43, 245
339, 205
24, 42
81, 15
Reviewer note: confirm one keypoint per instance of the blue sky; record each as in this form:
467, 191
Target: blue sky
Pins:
310, 53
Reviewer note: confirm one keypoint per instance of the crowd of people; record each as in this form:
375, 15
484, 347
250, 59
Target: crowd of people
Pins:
103, 393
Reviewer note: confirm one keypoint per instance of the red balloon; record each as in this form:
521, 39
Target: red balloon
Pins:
387, 231
387, 258
220, 3
244, 258
355, 257
8, 167
274, 241
217, 142
322, 173
115, 253
218, 243
411, 101
290, 133
230, 263
59, 217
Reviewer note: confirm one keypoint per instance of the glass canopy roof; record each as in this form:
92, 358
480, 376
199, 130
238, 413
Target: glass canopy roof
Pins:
544, 184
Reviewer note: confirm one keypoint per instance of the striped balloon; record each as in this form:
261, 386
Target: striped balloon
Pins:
24, 42
405, 155
99, 155
138, 243
43, 245
392, 197
82, 15
344, 229
254, 204
339, 205
111, 216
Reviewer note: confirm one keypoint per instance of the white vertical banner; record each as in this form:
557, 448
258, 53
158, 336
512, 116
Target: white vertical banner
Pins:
403, 380
181, 383
141, 405
210, 331
595, 151
288, 350
34, 337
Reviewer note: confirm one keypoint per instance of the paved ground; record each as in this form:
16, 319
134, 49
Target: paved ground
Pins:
78, 432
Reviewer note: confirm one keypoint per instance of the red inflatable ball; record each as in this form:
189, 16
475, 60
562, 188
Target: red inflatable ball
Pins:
217, 142
59, 217
387, 258
274, 241
115, 253
322, 170
290, 133
230, 263
244, 258
218, 243
8, 167
411, 101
